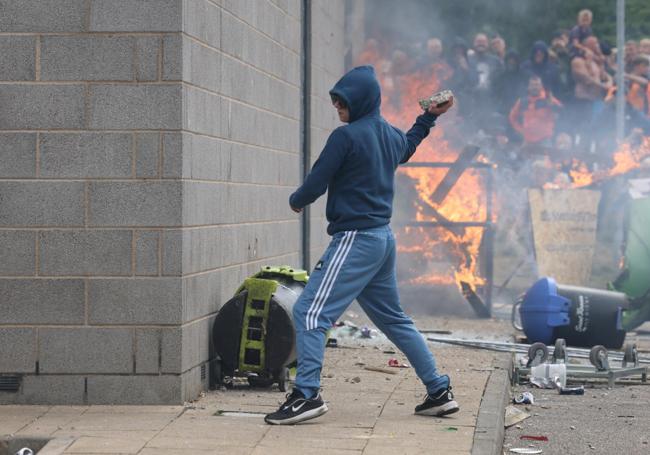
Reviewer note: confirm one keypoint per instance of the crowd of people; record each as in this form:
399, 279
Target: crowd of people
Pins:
561, 96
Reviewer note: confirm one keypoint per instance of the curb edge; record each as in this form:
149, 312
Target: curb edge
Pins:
489, 432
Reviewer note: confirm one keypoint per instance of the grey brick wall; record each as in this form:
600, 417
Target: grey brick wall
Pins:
327, 67
147, 152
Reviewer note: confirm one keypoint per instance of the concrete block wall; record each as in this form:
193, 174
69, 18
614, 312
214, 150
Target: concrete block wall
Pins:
327, 67
86, 307
238, 155
147, 152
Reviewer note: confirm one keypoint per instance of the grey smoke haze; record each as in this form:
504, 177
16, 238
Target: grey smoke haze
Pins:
405, 27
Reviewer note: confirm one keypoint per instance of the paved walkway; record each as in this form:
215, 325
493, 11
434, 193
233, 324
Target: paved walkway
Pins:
370, 412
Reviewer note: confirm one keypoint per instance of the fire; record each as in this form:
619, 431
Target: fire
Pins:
444, 255
580, 174
630, 155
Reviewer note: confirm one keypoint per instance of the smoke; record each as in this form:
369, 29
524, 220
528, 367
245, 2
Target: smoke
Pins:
580, 143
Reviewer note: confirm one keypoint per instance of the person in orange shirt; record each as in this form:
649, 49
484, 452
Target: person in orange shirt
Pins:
637, 94
534, 116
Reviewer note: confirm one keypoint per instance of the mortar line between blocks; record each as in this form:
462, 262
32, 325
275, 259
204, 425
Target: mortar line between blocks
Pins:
257, 29
249, 105
243, 62
126, 131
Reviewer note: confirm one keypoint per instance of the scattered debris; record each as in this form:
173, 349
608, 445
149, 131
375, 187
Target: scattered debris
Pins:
524, 398
533, 438
356, 379
25, 451
451, 429
548, 374
344, 331
389, 351
580, 390
380, 370
222, 413
514, 416
437, 332
366, 332
528, 450
332, 343
392, 362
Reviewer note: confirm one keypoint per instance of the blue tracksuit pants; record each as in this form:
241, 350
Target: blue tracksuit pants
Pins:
357, 265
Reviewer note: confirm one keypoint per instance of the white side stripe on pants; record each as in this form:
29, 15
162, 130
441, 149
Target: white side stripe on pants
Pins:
339, 249
332, 278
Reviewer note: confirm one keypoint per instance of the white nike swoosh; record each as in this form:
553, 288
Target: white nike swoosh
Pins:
297, 408
287, 407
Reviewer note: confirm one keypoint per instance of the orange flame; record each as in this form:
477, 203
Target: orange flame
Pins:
628, 157
444, 256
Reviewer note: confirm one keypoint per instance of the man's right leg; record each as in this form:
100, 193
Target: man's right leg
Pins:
347, 266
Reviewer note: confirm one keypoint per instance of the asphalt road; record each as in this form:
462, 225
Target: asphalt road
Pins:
603, 421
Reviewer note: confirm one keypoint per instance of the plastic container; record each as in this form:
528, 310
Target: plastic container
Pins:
584, 317
254, 332
549, 371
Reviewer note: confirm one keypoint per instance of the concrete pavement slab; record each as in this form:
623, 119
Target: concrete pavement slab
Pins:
107, 444
370, 412
135, 421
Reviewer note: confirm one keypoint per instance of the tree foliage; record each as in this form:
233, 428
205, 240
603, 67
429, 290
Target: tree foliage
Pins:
520, 22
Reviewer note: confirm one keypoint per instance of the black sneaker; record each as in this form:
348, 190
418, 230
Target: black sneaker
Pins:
296, 409
441, 404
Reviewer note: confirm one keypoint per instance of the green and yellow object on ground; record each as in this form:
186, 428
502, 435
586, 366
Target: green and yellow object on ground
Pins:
253, 333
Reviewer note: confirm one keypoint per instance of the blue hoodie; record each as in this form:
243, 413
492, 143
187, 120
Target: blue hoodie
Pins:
547, 70
357, 165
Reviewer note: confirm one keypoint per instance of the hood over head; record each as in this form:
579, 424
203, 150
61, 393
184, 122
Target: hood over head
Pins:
360, 91
460, 43
512, 56
539, 46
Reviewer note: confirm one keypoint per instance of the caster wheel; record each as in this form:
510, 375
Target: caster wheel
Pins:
559, 353
630, 357
537, 354
598, 358
284, 380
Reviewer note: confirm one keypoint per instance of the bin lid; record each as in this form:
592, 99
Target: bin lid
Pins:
542, 310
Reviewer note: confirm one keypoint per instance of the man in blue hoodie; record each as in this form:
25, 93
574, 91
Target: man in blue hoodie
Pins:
357, 169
